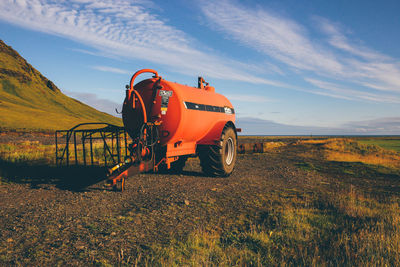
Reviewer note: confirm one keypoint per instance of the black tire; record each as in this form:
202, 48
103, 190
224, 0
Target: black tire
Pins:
219, 160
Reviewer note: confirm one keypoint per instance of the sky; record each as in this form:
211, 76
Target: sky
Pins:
289, 67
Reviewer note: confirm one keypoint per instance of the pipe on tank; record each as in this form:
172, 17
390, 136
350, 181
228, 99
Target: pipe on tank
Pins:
132, 90
140, 72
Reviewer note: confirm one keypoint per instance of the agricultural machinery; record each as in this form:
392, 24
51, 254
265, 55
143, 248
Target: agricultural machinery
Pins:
165, 123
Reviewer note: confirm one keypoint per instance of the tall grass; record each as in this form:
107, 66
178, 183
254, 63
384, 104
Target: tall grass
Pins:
353, 151
344, 227
391, 143
338, 229
28, 152
34, 153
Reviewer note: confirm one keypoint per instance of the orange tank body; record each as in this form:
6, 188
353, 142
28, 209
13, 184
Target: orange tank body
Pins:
187, 116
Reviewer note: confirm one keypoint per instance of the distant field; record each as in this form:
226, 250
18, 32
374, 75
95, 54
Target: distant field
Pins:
386, 142
392, 143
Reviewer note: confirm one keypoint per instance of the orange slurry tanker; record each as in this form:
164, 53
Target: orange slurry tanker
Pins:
170, 122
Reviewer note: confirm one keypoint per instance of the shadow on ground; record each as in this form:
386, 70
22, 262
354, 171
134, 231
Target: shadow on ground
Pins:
74, 178
372, 178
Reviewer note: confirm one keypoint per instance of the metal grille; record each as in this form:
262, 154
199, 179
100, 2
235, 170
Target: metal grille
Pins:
86, 145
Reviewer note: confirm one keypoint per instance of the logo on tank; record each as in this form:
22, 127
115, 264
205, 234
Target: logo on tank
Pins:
228, 110
165, 95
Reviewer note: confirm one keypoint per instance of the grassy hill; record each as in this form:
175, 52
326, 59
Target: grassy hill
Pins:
30, 101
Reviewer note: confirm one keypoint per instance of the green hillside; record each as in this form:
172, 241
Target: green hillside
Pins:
30, 101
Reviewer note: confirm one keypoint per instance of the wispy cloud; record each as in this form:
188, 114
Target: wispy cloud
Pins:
335, 57
111, 69
125, 28
249, 98
385, 126
278, 37
339, 91
132, 29
367, 67
380, 126
337, 39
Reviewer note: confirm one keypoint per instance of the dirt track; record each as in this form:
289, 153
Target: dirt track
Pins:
44, 221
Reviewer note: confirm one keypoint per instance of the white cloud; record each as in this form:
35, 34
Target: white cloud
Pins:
125, 28
338, 91
379, 126
339, 40
131, 29
366, 66
111, 69
248, 98
280, 38
287, 41
386, 126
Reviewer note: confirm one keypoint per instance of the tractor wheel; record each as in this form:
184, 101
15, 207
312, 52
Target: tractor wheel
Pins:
219, 160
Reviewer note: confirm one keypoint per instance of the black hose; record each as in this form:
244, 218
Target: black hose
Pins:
150, 133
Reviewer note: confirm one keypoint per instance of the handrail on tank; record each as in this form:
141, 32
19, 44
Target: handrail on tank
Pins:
140, 72
137, 93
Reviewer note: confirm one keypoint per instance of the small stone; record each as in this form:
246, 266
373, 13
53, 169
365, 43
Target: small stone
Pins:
9, 240
187, 202
113, 233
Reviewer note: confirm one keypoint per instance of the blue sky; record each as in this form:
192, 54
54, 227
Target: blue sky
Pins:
288, 67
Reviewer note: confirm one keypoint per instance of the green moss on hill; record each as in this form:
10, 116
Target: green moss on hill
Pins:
30, 101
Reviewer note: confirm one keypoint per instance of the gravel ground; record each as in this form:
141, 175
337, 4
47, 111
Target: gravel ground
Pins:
48, 220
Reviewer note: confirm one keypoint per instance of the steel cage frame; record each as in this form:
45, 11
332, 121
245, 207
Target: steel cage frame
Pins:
110, 136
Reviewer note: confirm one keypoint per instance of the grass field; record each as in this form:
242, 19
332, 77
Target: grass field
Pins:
387, 143
317, 202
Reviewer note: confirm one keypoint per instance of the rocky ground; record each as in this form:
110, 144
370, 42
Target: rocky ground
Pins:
47, 220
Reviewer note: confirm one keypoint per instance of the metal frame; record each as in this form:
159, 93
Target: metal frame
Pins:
110, 135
